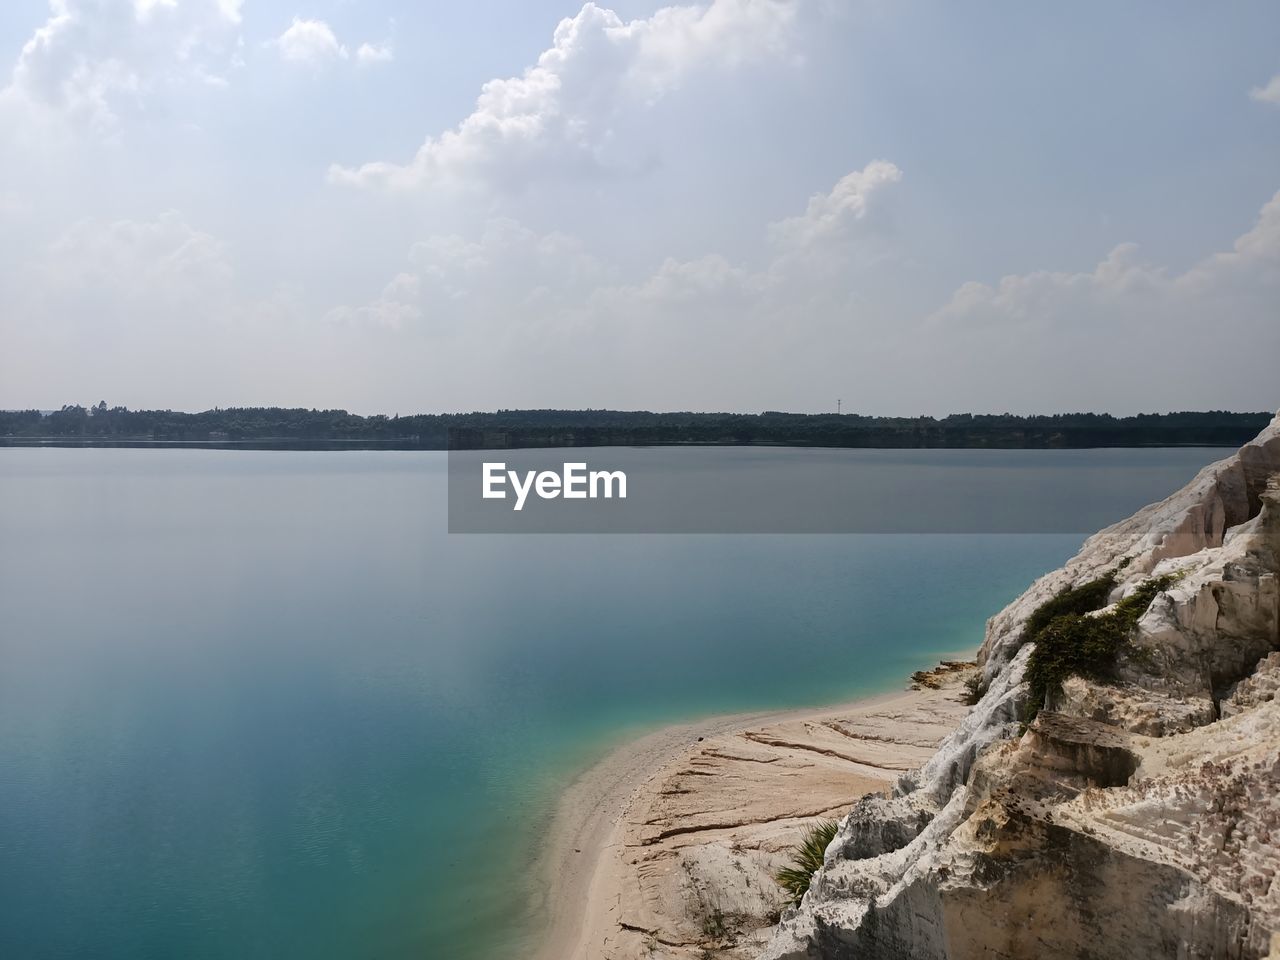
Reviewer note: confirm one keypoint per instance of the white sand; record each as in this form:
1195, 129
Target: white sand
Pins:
668, 846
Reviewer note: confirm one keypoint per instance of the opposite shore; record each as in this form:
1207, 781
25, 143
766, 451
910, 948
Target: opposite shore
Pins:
668, 846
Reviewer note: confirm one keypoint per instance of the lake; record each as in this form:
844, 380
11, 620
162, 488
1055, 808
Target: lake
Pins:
261, 704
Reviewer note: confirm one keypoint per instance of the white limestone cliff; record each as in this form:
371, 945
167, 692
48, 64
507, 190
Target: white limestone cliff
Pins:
1132, 818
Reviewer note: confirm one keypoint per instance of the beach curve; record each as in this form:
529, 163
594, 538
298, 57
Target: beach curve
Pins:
667, 847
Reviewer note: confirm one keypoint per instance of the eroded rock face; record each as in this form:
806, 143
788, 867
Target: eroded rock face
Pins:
1134, 818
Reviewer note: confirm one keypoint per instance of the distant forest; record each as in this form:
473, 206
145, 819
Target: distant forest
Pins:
289, 428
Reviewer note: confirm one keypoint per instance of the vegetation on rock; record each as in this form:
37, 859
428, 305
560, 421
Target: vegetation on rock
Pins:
1079, 600
807, 856
1071, 638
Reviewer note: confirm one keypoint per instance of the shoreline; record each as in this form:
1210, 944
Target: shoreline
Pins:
667, 845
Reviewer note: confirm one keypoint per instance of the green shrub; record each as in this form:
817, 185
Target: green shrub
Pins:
1074, 643
1080, 600
713, 924
806, 858
973, 690
1132, 607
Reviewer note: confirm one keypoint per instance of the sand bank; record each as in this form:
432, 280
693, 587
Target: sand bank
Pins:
667, 848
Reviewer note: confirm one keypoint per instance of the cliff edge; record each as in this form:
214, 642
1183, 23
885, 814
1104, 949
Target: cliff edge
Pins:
1115, 789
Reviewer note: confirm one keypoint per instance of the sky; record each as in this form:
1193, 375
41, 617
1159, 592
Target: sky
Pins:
393, 207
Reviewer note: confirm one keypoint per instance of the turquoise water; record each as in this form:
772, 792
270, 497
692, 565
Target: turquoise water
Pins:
259, 704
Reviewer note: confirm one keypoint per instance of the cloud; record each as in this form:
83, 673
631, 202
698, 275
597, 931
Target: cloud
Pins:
828, 215
117, 302
514, 281
709, 277
555, 118
538, 315
1126, 333
143, 310
162, 262
309, 41
1125, 291
505, 272
1268, 94
1253, 259
314, 43
374, 53
90, 59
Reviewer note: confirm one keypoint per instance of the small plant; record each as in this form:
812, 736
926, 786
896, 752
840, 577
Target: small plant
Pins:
807, 857
973, 690
713, 924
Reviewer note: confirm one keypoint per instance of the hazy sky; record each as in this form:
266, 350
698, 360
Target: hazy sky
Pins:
736, 205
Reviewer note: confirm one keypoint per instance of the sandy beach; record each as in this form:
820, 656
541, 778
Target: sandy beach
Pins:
667, 848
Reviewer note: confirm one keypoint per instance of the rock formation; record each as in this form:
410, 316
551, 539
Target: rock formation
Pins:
1137, 813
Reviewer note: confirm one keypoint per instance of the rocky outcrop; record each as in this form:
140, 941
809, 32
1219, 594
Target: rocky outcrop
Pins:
1135, 816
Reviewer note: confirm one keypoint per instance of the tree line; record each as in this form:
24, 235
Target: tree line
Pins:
290, 427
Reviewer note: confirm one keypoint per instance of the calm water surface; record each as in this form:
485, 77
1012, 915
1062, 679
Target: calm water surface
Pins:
259, 704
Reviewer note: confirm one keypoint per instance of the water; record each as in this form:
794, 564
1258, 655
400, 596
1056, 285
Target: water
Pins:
258, 704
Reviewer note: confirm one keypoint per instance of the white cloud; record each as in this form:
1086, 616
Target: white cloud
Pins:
313, 42
1253, 259
1268, 94
160, 262
517, 282
1126, 334
506, 271
706, 278
143, 310
555, 118
374, 53
1124, 291
828, 215
309, 41
89, 59
727, 32
536, 310
119, 302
